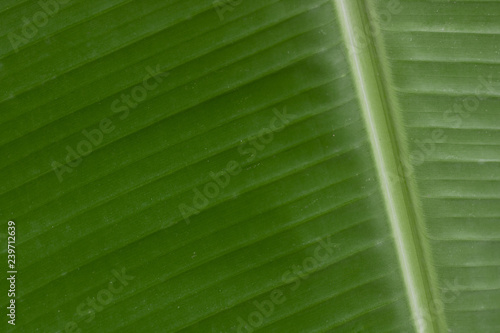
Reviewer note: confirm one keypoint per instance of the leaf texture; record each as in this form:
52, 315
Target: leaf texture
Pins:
241, 166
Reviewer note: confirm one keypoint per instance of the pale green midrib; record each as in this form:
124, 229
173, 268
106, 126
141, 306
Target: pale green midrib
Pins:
400, 203
400, 140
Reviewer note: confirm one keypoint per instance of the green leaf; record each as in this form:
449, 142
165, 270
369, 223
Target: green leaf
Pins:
241, 166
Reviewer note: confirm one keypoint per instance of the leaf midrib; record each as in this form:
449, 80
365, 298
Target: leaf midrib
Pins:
400, 197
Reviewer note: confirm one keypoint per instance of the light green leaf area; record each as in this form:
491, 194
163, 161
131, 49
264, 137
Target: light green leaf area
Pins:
251, 165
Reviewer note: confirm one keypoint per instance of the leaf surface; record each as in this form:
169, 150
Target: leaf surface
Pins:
240, 166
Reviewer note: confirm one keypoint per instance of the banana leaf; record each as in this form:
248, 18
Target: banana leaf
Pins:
250, 166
